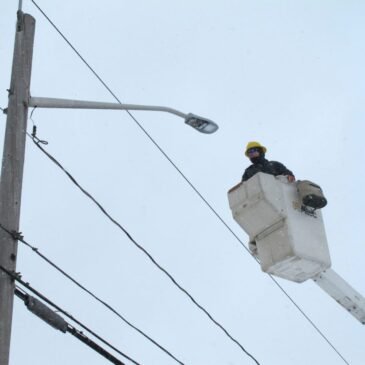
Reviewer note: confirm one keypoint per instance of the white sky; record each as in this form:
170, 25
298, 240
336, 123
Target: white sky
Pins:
287, 73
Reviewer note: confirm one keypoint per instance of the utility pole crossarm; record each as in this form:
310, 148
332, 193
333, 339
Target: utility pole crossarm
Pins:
334, 285
201, 124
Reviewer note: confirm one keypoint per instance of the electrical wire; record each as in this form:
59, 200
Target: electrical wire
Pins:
18, 236
141, 248
181, 173
17, 278
56, 321
309, 320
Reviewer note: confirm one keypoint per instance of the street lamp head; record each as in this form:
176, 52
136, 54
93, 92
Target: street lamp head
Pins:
201, 124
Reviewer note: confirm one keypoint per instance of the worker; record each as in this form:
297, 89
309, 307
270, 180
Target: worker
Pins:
256, 153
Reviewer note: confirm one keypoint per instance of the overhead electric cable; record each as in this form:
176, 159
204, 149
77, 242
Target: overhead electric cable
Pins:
180, 172
141, 248
17, 278
18, 236
56, 321
309, 320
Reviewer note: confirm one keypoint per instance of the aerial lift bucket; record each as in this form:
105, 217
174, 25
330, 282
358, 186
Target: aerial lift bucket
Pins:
288, 234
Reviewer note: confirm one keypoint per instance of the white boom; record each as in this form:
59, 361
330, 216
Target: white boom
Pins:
345, 295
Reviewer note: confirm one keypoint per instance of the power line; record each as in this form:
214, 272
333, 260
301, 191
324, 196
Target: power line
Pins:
141, 248
182, 174
309, 320
56, 321
19, 237
17, 278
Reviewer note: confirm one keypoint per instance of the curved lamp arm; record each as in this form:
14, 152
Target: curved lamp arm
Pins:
201, 124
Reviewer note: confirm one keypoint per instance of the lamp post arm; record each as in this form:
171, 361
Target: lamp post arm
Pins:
41, 102
201, 124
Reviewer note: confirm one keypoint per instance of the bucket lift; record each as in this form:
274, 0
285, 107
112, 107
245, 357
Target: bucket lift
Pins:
288, 238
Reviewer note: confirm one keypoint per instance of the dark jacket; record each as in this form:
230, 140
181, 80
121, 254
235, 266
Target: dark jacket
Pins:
269, 167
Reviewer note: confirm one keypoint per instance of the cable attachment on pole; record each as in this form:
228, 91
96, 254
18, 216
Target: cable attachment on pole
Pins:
35, 138
34, 131
17, 235
14, 275
20, 21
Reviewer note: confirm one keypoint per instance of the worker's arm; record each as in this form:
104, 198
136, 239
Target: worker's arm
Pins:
281, 169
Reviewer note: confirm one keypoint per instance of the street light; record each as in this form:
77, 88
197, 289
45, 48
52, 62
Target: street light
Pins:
13, 158
201, 124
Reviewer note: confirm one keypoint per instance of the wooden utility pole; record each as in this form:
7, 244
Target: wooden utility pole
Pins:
12, 170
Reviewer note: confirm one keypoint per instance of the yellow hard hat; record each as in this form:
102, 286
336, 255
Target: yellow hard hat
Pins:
254, 144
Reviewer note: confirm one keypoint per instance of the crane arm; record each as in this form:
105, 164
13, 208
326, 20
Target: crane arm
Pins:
342, 292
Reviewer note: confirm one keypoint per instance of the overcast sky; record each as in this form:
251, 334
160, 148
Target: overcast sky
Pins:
289, 74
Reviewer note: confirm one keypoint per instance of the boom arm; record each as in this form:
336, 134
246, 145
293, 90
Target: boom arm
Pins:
342, 293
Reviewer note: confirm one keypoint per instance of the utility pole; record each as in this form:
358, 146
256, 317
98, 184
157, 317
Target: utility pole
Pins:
13, 158
12, 170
